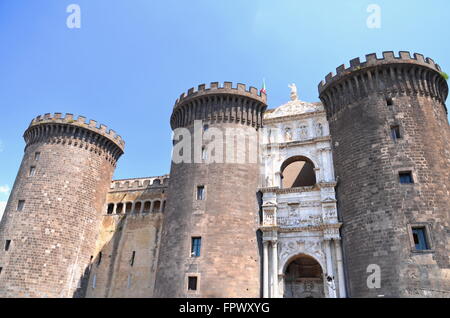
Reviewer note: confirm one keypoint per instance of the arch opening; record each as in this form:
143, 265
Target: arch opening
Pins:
297, 172
303, 278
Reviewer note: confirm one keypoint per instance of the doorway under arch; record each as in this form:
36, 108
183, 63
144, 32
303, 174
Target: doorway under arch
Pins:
303, 278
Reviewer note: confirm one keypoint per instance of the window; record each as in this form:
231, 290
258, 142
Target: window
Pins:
99, 260
32, 171
196, 246
110, 208
1, 269
395, 132
205, 127
128, 207
204, 153
389, 101
7, 244
129, 281
420, 238
133, 255
406, 177
192, 283
119, 208
94, 281
147, 206
137, 207
20, 205
200, 192
37, 156
156, 206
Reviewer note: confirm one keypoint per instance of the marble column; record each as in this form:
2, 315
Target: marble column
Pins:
275, 269
331, 285
340, 266
278, 180
266, 270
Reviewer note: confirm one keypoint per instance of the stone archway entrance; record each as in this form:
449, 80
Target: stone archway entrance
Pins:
303, 278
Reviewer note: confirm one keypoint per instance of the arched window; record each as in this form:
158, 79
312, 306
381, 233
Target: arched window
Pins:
110, 208
147, 205
137, 207
128, 207
156, 182
156, 206
298, 172
119, 208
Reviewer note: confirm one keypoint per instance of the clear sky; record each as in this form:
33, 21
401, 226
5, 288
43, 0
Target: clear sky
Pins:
131, 59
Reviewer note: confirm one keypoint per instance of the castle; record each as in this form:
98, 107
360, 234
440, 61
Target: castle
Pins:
347, 197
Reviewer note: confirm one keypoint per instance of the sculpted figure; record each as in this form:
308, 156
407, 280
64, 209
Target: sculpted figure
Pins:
293, 88
288, 134
319, 130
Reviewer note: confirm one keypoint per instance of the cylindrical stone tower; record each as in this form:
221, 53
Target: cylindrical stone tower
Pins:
209, 244
391, 136
49, 228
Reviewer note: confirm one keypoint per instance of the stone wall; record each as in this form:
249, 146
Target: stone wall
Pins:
227, 220
363, 103
127, 246
53, 235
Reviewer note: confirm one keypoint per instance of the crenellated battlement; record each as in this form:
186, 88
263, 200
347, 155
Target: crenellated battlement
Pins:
226, 88
56, 129
81, 121
139, 183
219, 104
372, 60
389, 76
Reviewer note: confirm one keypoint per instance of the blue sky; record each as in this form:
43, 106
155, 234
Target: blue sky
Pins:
130, 60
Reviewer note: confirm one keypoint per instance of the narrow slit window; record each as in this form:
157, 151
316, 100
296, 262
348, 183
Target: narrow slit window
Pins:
395, 132
7, 245
32, 171
1, 269
200, 192
99, 259
204, 153
389, 101
37, 156
420, 239
406, 177
20, 205
94, 281
133, 256
192, 283
196, 246
129, 281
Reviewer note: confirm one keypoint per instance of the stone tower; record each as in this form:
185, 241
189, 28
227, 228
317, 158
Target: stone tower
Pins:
49, 228
390, 137
212, 197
